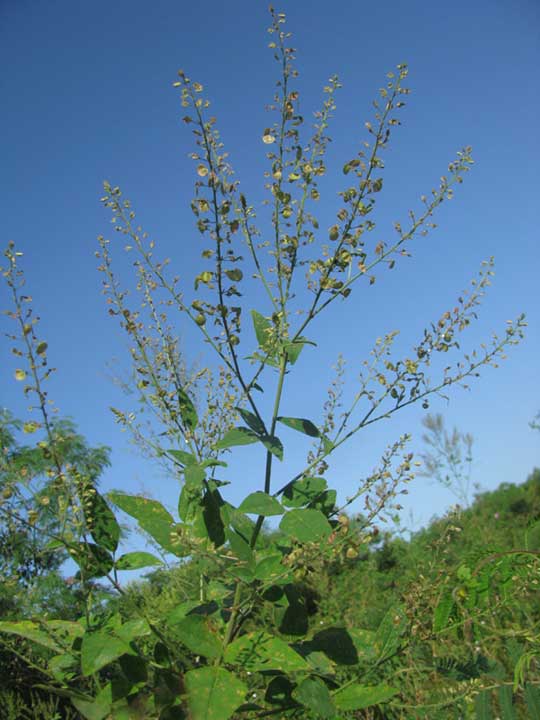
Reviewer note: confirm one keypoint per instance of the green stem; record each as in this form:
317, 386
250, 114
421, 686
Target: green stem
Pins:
233, 620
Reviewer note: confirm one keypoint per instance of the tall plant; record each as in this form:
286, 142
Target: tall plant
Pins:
204, 660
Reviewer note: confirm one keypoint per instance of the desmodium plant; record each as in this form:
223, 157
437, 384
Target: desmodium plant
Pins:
207, 659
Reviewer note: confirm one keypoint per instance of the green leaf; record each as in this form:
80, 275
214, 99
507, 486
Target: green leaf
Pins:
506, 702
364, 643
257, 651
132, 629
235, 274
304, 491
187, 410
270, 567
190, 495
93, 560
213, 693
97, 709
442, 613
211, 513
239, 546
151, 516
100, 648
532, 698
183, 457
305, 525
260, 503
237, 436
293, 349
482, 705
390, 631
30, 631
101, 520
273, 444
137, 560
252, 421
211, 462
301, 425
193, 631
262, 327
313, 694
358, 697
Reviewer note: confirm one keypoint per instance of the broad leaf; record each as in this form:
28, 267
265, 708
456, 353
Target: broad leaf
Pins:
93, 560
252, 421
239, 546
305, 525
187, 410
293, 349
190, 496
313, 694
101, 521
390, 631
263, 328
257, 651
273, 444
358, 697
213, 693
260, 503
132, 629
100, 648
183, 457
237, 436
271, 568
193, 632
30, 631
301, 425
304, 492
211, 513
136, 561
151, 516
97, 709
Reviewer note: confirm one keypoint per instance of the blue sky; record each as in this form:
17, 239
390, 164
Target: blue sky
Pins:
87, 96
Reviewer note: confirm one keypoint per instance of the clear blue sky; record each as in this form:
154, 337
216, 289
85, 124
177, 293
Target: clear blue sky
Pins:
87, 95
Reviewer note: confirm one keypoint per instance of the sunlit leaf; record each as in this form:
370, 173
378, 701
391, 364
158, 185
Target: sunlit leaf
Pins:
305, 525
151, 516
257, 651
357, 697
137, 560
301, 425
304, 491
252, 421
194, 632
213, 693
274, 445
100, 648
237, 436
263, 328
260, 503
183, 457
